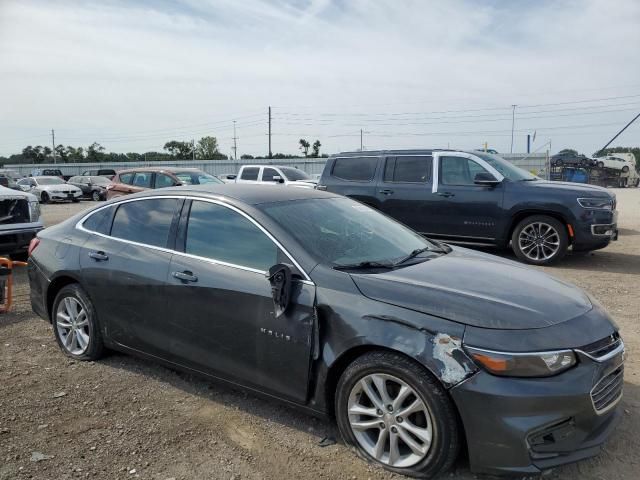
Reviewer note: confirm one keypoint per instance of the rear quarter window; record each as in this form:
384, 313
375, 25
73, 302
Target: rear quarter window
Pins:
359, 169
100, 221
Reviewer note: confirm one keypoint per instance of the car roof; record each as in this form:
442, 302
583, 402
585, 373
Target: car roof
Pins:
160, 169
252, 194
37, 177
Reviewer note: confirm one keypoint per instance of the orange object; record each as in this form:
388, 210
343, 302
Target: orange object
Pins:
6, 282
570, 230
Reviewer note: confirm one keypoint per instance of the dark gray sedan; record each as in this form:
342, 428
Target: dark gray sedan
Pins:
416, 348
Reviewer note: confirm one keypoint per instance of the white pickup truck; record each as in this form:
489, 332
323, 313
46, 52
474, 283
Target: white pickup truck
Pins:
274, 175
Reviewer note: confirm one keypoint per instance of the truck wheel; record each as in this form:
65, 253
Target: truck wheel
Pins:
625, 169
397, 415
540, 240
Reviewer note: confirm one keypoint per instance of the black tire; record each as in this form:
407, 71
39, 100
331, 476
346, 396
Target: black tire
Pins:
75, 200
95, 348
625, 169
446, 441
95, 196
559, 227
600, 164
44, 197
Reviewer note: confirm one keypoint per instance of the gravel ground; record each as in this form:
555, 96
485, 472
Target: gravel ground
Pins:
123, 417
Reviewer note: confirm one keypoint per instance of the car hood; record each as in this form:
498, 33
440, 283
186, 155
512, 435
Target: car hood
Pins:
58, 186
577, 188
478, 289
11, 194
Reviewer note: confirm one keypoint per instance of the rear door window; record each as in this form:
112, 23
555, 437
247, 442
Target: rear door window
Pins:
100, 221
359, 169
250, 173
145, 221
126, 178
142, 179
222, 234
411, 170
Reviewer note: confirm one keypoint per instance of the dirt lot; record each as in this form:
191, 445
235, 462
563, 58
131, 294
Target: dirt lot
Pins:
126, 418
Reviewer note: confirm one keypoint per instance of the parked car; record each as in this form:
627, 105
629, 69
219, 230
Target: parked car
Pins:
94, 187
19, 222
273, 175
48, 189
10, 173
144, 178
567, 159
417, 348
100, 172
8, 182
476, 198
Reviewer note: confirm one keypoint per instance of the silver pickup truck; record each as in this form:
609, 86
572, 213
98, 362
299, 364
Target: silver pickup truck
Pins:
19, 221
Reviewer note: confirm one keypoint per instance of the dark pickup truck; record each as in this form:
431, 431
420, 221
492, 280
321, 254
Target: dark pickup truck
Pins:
477, 199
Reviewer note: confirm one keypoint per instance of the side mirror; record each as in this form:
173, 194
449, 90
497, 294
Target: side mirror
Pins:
486, 179
231, 176
280, 279
278, 179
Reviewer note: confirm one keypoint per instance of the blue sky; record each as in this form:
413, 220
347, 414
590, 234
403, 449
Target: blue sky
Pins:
410, 73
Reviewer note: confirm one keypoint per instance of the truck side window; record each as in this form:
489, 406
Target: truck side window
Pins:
250, 173
359, 169
268, 174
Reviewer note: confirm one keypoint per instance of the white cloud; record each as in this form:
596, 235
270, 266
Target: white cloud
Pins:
133, 75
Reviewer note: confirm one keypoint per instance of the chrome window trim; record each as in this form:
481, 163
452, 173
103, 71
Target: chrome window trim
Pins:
79, 225
470, 156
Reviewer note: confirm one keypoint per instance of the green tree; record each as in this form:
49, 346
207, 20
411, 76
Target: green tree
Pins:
95, 152
246, 157
304, 146
179, 150
207, 149
316, 149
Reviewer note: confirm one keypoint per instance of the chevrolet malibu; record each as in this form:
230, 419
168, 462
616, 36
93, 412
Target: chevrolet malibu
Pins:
417, 349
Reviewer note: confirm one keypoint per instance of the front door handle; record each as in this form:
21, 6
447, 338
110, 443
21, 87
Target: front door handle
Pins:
446, 194
386, 191
99, 256
185, 276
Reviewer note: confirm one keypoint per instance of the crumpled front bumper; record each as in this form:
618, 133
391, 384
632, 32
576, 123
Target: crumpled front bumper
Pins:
528, 425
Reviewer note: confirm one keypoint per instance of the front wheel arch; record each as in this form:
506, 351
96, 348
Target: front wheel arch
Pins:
519, 216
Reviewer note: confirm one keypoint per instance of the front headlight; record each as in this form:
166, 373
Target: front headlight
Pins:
538, 364
34, 211
597, 203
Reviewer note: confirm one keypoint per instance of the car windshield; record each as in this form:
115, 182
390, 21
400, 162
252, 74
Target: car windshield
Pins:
507, 169
49, 181
197, 178
340, 231
294, 174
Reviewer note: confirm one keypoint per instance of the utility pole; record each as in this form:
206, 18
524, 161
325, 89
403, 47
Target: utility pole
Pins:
360, 139
53, 144
270, 154
235, 145
513, 122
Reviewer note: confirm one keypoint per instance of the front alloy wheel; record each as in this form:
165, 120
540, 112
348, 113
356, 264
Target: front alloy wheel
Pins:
396, 414
95, 196
390, 421
540, 240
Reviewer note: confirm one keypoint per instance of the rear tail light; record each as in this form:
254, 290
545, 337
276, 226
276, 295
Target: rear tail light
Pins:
35, 241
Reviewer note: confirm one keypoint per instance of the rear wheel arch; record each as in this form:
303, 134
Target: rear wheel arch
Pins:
54, 287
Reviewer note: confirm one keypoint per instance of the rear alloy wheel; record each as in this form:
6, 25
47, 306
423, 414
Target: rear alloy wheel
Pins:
95, 196
74, 324
397, 415
540, 240
44, 197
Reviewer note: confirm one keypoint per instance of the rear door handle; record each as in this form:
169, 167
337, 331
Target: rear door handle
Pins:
99, 256
446, 194
185, 276
386, 191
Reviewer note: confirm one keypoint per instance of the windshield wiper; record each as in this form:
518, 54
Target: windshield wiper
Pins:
363, 265
528, 179
415, 253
